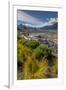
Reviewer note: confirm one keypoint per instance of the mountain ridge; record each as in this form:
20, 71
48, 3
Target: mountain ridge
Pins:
22, 25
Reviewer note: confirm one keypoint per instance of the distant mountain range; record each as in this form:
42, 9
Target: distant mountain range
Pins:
54, 27
23, 25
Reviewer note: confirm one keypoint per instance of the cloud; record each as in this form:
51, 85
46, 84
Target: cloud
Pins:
53, 20
23, 16
33, 21
50, 21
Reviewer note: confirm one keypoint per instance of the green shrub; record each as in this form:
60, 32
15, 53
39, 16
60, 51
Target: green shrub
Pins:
18, 37
22, 53
23, 41
32, 44
42, 70
42, 51
30, 67
34, 69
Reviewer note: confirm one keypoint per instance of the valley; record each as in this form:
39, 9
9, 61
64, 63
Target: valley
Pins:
48, 37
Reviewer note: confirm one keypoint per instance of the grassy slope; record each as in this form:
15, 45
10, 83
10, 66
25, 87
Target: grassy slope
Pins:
34, 60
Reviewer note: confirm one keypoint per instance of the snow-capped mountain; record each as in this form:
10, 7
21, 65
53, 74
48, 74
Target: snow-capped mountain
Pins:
21, 25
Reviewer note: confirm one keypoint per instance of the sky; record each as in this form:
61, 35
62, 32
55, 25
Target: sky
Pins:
37, 18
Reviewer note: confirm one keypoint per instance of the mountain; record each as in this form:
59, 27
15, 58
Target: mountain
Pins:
54, 27
24, 25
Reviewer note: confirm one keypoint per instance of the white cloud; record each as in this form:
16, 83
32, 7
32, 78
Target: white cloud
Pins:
53, 20
50, 21
34, 22
23, 16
